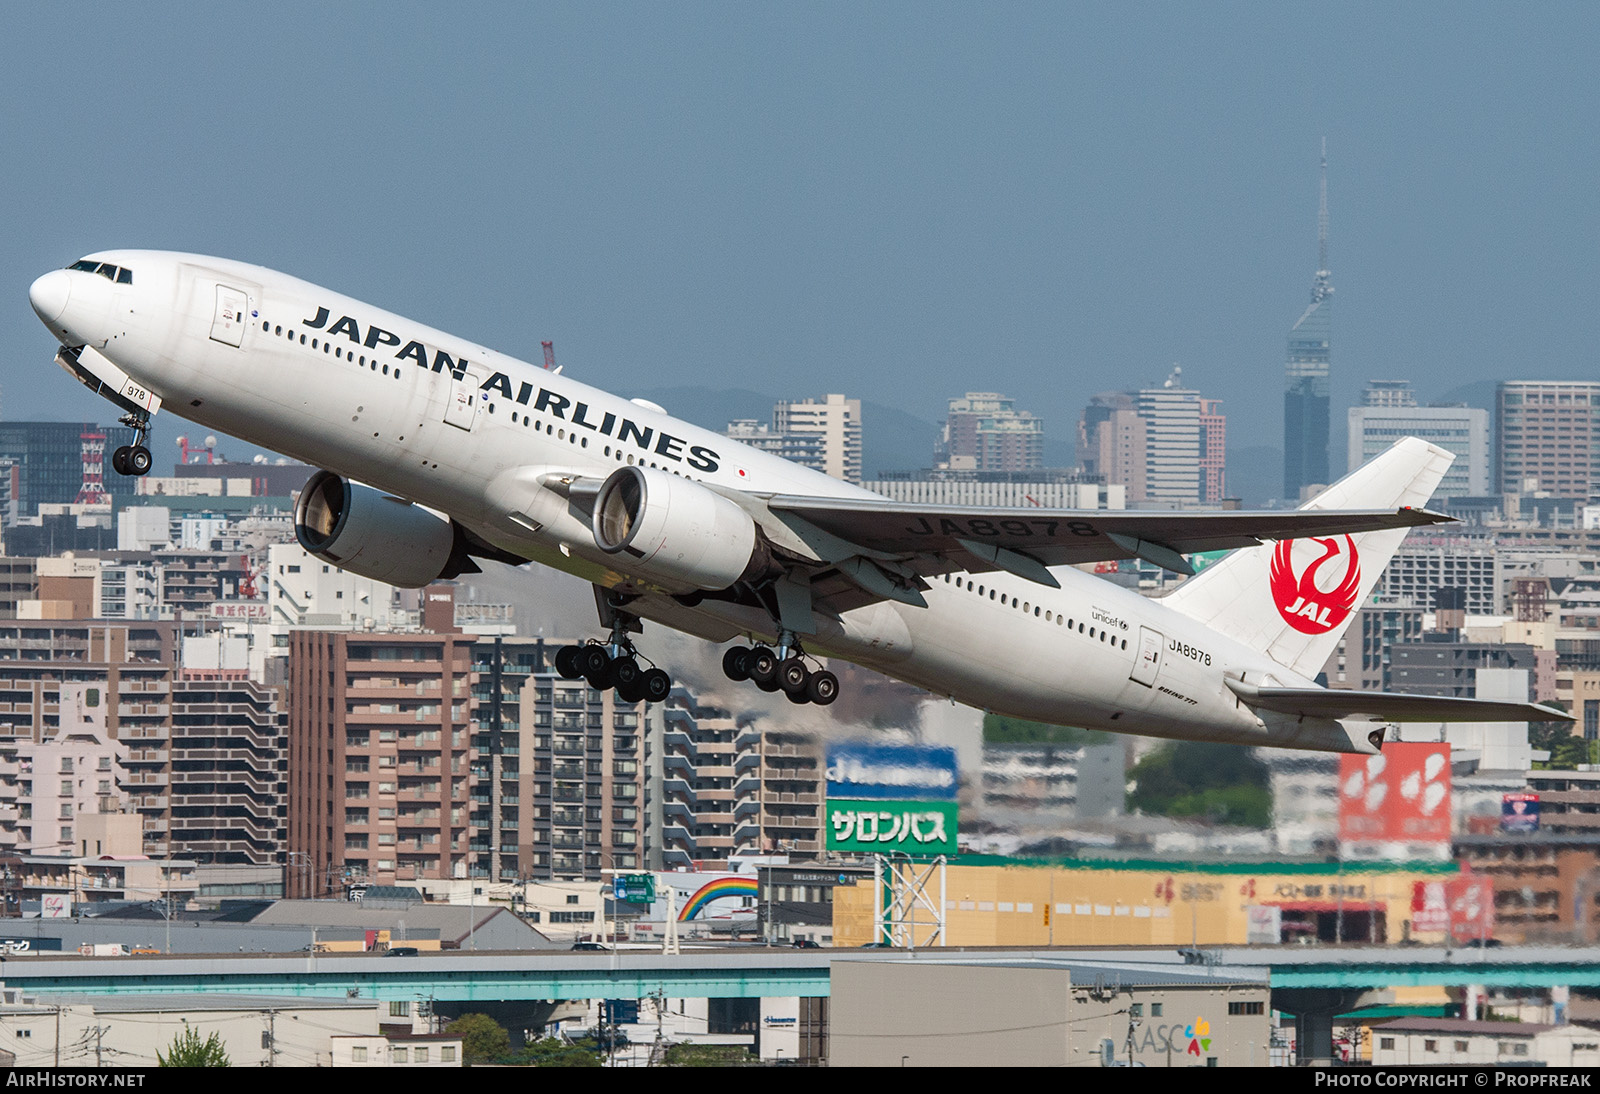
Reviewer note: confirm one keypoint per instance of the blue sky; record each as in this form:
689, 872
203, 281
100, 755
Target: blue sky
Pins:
898, 201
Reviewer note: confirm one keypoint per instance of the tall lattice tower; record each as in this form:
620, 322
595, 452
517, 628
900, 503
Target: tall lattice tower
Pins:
93, 490
1305, 398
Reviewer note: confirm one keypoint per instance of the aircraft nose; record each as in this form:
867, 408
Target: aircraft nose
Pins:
48, 295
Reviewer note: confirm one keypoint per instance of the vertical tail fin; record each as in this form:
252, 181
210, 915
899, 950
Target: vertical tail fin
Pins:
1293, 599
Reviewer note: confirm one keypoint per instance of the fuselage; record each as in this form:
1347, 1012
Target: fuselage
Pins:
486, 438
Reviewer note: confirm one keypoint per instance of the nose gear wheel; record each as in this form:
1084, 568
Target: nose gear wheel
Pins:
134, 459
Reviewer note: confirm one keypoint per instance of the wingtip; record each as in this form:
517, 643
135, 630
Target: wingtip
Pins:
1427, 516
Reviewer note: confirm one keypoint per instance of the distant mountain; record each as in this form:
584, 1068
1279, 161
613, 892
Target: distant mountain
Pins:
1480, 394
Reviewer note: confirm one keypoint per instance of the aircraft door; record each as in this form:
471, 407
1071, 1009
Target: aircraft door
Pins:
1148, 662
227, 324
466, 399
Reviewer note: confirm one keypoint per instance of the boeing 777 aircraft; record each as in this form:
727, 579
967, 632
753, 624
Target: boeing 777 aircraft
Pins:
436, 451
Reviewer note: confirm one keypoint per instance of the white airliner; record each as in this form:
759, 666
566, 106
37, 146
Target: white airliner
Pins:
437, 450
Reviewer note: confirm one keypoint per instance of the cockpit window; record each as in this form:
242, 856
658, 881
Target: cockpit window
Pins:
111, 272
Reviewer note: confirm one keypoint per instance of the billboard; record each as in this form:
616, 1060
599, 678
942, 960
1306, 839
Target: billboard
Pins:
882, 827
1519, 813
860, 771
1463, 906
1400, 796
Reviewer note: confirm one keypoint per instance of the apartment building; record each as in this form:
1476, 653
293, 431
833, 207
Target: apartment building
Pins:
379, 758
731, 789
822, 434
1548, 437
567, 798
200, 761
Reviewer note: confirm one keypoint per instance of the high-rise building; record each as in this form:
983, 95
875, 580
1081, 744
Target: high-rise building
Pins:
731, 789
1164, 444
444, 755
1171, 416
1389, 412
985, 431
1548, 438
379, 758
197, 756
1213, 452
1111, 443
822, 434
1305, 400
569, 798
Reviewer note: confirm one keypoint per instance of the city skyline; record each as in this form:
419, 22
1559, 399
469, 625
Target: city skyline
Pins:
950, 199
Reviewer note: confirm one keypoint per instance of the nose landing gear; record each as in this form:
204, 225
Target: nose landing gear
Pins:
134, 459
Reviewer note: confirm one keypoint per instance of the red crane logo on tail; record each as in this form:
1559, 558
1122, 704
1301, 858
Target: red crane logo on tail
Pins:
1302, 603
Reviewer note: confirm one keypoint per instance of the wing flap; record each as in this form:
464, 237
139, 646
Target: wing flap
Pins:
1058, 537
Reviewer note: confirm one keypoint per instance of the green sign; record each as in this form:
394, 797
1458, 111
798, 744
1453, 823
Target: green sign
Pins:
878, 827
634, 888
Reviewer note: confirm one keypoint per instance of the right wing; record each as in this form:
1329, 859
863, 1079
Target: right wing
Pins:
1389, 706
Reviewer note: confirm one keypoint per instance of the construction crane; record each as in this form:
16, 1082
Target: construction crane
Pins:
549, 355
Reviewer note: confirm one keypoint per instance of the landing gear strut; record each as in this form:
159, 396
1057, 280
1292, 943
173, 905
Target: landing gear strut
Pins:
134, 459
614, 663
781, 669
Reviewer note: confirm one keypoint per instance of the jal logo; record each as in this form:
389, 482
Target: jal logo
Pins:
1321, 596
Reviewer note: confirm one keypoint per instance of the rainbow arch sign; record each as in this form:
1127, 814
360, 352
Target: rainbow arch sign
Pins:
716, 890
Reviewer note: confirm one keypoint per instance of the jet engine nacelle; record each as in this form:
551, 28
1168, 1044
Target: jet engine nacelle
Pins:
675, 531
370, 533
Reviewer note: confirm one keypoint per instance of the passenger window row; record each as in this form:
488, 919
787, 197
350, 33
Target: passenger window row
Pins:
574, 437
1029, 608
339, 352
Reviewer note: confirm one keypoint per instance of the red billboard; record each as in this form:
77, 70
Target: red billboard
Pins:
1463, 905
1401, 795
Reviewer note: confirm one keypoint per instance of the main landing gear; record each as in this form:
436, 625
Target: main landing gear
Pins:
782, 669
134, 459
614, 663
608, 665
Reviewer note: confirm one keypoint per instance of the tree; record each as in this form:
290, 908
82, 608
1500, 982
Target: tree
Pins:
1221, 783
693, 1055
1566, 750
187, 1050
482, 1038
552, 1052
1001, 729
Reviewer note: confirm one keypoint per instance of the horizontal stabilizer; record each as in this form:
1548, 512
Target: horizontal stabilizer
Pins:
1388, 706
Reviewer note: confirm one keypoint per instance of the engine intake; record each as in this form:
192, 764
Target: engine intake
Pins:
675, 531
370, 533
